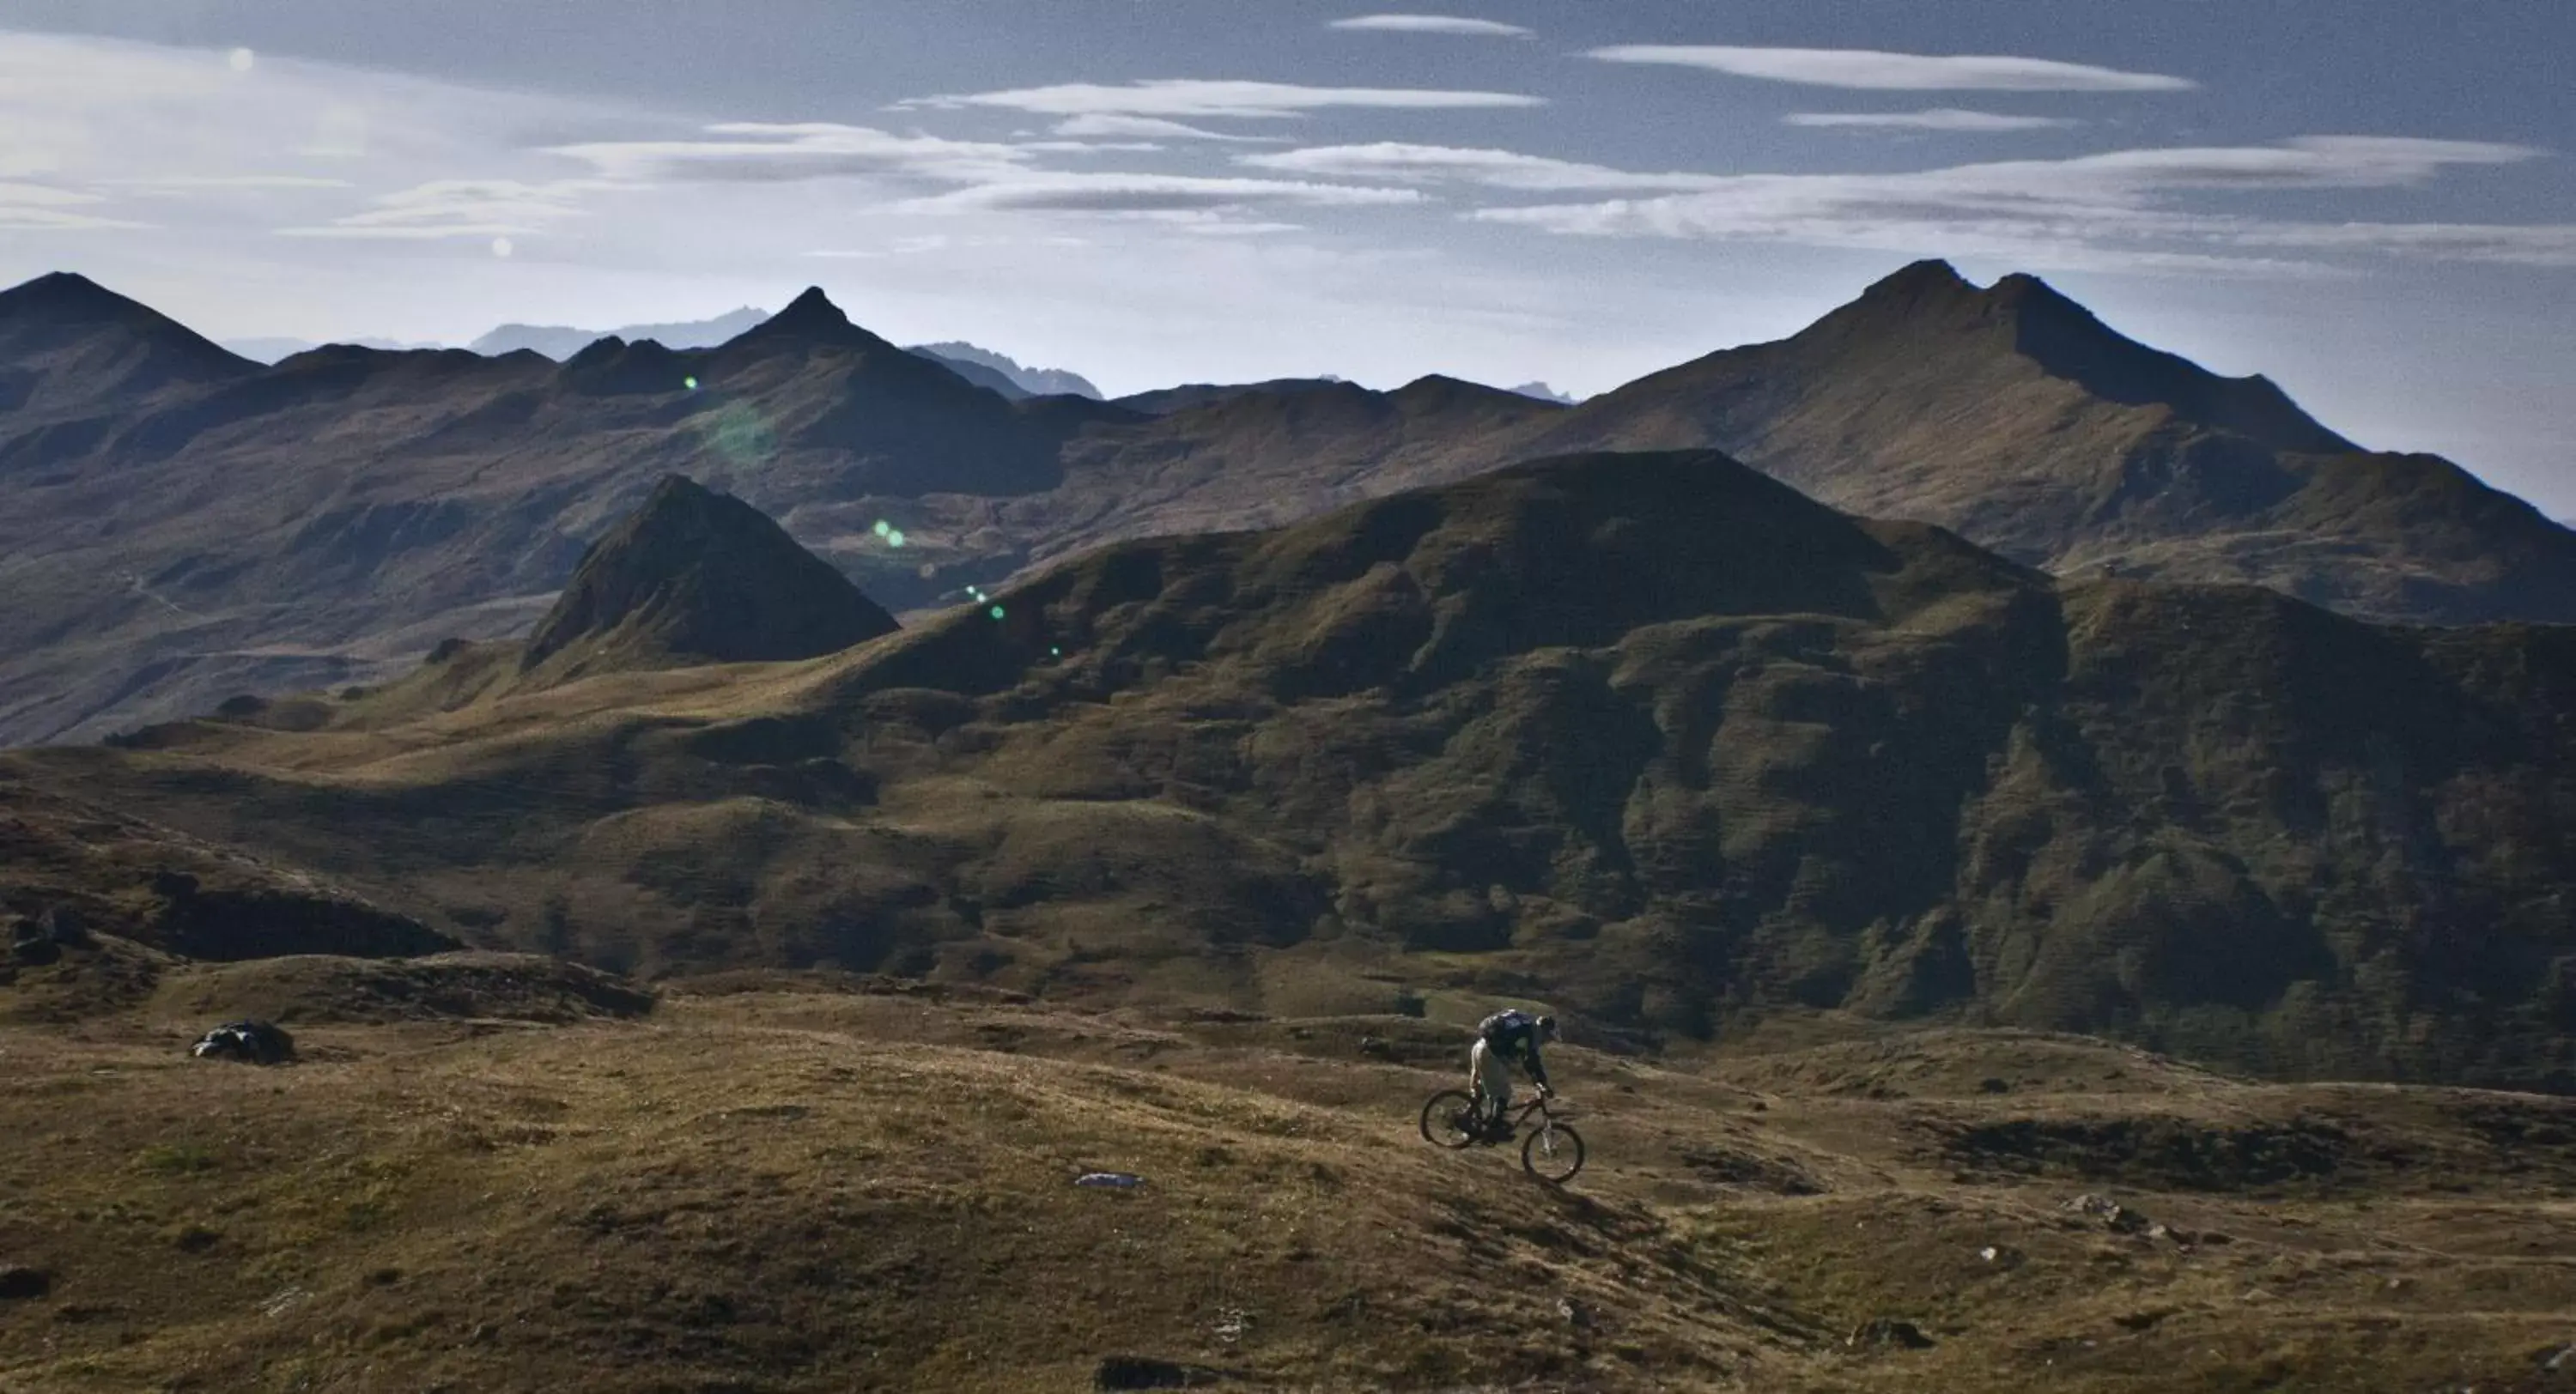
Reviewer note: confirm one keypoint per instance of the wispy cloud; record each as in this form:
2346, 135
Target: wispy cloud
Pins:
1087, 147
1113, 126
1495, 169
2116, 208
44, 208
190, 183
1935, 119
462, 208
766, 152
1871, 70
1433, 24
2502, 244
1150, 193
1179, 97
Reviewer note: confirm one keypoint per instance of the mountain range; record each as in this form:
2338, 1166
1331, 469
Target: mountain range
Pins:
560, 342
981, 366
185, 525
1034, 382
1651, 735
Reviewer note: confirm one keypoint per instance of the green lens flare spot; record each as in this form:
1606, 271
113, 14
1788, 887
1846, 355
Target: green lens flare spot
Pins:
894, 537
883, 527
689, 383
1054, 652
995, 612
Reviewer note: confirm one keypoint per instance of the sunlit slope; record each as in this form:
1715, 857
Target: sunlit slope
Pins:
780, 1190
1652, 734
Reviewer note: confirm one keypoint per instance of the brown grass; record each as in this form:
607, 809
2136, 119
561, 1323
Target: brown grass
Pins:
781, 1188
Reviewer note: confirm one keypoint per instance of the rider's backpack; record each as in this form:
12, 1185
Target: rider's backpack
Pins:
1502, 1023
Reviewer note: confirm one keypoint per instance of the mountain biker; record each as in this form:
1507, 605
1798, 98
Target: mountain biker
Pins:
1508, 1037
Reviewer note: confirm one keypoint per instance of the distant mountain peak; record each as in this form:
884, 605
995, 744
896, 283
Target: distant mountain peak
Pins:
57, 292
811, 314
812, 320
695, 576
1035, 382
68, 300
75, 341
1929, 308
1929, 280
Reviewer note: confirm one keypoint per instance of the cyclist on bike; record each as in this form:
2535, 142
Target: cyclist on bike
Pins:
1506, 1038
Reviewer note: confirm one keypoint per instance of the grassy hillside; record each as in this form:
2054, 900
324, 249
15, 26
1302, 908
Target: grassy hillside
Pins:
1653, 735
781, 1188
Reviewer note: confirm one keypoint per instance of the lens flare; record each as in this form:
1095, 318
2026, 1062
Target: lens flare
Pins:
894, 537
241, 59
883, 527
995, 612
501, 247
736, 432
689, 383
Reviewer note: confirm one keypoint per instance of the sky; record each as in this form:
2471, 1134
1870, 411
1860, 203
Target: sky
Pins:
2368, 201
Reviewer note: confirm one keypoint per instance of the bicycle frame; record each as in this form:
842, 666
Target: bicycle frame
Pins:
1520, 1115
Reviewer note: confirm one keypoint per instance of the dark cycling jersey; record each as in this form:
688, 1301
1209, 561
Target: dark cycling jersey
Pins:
1514, 1036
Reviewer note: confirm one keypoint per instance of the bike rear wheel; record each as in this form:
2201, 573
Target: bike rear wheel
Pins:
1552, 1153
1449, 1119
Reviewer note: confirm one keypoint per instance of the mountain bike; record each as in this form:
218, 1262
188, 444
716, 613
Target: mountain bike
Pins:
1552, 1152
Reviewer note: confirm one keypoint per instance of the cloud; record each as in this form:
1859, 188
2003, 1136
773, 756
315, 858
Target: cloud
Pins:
1935, 119
1874, 71
1178, 97
2504, 244
2115, 208
1113, 126
1086, 147
44, 208
1150, 193
218, 154
42, 196
1433, 24
462, 208
1218, 227
2307, 162
1496, 169
765, 152
218, 183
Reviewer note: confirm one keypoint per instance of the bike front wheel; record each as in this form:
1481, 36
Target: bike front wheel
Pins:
1449, 1119
1553, 1153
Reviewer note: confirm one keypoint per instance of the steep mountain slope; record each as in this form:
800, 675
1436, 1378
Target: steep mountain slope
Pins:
990, 379
1652, 734
327, 520
2014, 416
78, 873
694, 576
67, 343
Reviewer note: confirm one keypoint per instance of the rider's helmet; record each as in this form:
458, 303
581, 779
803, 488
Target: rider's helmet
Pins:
1547, 1027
